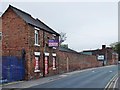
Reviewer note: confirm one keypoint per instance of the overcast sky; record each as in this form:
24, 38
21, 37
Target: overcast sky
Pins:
88, 24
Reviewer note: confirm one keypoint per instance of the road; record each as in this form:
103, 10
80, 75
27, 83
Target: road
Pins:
96, 78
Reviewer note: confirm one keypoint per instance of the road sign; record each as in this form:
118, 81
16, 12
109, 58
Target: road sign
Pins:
101, 57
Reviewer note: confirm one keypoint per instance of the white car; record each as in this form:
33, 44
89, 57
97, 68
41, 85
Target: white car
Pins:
118, 62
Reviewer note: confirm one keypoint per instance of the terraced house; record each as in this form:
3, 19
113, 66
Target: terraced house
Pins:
30, 43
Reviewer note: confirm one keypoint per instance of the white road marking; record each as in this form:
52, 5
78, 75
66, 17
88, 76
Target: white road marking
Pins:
115, 83
110, 71
110, 82
63, 75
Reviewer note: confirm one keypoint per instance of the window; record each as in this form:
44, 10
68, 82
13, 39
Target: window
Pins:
37, 62
36, 37
37, 67
0, 36
54, 61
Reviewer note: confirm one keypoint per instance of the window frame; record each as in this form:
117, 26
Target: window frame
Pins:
54, 62
37, 64
36, 35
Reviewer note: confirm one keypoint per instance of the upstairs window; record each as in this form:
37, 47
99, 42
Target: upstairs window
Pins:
0, 36
36, 37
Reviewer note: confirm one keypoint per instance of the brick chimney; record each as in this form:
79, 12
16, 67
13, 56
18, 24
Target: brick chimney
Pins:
103, 46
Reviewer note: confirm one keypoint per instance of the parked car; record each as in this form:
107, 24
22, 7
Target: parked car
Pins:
118, 62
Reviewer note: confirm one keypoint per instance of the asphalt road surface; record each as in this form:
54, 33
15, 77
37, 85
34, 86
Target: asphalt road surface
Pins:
96, 78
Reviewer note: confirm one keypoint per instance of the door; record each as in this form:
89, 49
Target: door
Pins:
13, 68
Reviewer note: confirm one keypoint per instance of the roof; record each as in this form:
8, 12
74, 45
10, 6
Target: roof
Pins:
30, 20
109, 49
67, 49
92, 50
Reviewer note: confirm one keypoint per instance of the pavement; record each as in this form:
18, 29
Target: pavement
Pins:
43, 81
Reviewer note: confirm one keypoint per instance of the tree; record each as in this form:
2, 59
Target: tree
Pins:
64, 45
116, 47
62, 37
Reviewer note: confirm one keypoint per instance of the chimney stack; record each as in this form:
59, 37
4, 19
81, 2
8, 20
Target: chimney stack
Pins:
103, 46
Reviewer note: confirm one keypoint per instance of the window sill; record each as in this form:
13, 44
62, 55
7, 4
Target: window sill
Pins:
37, 45
54, 68
37, 71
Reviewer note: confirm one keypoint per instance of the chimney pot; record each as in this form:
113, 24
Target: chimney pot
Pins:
103, 46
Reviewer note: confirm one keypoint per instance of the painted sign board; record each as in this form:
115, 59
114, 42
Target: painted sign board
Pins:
101, 57
53, 43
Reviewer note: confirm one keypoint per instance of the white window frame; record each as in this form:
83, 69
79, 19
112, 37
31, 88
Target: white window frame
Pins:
37, 62
37, 65
0, 36
36, 38
54, 61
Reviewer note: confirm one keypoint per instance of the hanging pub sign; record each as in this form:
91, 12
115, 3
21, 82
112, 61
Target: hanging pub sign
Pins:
53, 43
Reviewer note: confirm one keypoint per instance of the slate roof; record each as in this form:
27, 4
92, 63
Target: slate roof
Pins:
67, 50
30, 20
109, 49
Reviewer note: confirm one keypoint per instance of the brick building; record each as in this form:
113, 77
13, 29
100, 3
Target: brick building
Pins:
106, 54
29, 38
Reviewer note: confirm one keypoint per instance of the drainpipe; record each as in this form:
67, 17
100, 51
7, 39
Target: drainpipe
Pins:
43, 54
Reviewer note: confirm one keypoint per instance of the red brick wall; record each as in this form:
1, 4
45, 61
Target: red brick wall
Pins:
76, 61
14, 32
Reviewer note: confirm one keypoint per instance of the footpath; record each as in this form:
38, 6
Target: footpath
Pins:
27, 84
